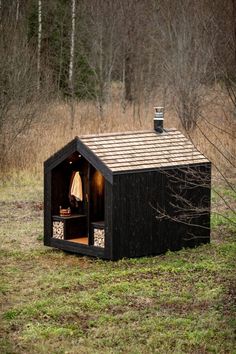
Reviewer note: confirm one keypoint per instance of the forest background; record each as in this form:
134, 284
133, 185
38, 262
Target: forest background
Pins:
76, 67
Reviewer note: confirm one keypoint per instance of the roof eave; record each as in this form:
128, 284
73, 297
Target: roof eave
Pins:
94, 160
151, 169
61, 154
77, 145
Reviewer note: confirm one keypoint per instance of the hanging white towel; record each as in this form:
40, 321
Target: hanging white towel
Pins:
76, 187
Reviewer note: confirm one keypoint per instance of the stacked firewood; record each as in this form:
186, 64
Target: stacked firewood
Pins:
58, 229
99, 237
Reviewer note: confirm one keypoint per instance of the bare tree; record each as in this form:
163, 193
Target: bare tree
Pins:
183, 43
188, 204
138, 51
188, 190
17, 9
72, 45
234, 27
19, 99
0, 14
100, 45
71, 64
39, 43
195, 41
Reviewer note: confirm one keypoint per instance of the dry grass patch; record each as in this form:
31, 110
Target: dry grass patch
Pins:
214, 135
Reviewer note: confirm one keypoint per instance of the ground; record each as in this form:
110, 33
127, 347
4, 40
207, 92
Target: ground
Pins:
55, 302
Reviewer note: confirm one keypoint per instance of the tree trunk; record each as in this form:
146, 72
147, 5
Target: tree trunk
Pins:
60, 58
128, 78
234, 28
129, 64
39, 43
17, 9
71, 65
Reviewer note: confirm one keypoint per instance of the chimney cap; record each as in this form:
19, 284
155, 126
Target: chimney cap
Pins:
159, 111
158, 119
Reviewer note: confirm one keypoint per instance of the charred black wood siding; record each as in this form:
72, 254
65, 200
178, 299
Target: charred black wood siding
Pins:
108, 220
188, 205
47, 208
136, 232
199, 194
137, 228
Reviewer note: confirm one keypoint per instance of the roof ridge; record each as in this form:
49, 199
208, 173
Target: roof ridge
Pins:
124, 133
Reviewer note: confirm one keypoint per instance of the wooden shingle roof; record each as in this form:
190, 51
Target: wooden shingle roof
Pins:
143, 150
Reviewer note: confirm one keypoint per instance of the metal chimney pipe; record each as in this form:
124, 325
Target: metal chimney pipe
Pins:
158, 119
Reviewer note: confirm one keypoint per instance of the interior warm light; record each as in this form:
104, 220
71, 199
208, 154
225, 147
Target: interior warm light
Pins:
70, 162
98, 181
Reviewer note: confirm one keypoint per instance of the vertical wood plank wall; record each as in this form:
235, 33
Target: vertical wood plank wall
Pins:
136, 229
47, 208
109, 235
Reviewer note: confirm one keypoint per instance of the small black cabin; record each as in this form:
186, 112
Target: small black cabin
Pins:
127, 195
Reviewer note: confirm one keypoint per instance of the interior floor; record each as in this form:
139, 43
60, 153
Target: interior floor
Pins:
83, 240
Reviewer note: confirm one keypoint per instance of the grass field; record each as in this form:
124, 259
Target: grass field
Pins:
53, 302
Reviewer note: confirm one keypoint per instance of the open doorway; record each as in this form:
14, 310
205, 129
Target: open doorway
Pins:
78, 202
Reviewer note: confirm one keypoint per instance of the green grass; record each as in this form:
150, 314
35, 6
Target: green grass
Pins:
224, 215
228, 219
55, 302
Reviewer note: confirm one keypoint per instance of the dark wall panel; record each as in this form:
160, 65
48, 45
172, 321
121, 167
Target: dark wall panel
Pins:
108, 220
136, 232
47, 208
160, 210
